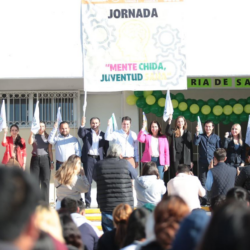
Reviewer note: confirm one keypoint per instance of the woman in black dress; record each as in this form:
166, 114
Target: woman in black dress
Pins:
181, 150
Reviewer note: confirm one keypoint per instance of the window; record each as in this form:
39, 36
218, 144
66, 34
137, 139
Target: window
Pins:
20, 107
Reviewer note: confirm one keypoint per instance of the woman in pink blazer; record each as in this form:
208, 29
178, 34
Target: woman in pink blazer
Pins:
156, 147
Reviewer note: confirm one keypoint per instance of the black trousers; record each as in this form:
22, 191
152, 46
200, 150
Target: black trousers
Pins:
40, 169
88, 169
175, 164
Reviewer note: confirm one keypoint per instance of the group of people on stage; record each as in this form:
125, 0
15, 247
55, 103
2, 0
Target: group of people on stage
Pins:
96, 143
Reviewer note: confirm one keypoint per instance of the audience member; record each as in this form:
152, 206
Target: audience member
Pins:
221, 177
149, 187
156, 147
70, 180
112, 240
88, 235
243, 179
94, 149
127, 139
216, 201
229, 228
71, 233
19, 196
168, 215
65, 144
191, 230
187, 186
48, 221
114, 186
136, 232
237, 193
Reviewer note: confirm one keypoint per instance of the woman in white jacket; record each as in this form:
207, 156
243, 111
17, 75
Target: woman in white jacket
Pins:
149, 187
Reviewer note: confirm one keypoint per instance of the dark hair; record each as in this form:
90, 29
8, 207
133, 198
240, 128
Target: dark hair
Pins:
18, 141
168, 214
19, 197
220, 154
69, 204
159, 126
150, 168
136, 226
44, 242
81, 206
183, 168
126, 118
237, 193
216, 202
45, 133
93, 118
63, 122
209, 121
71, 233
229, 228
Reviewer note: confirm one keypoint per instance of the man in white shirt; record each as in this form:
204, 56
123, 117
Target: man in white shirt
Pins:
127, 139
65, 144
94, 149
187, 186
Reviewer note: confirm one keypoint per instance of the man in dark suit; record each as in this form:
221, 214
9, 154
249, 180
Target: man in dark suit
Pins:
94, 149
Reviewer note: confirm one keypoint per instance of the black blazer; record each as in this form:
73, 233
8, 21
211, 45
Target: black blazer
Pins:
188, 147
86, 135
234, 157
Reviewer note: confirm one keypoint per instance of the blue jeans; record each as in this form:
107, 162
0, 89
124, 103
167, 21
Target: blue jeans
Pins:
160, 168
107, 221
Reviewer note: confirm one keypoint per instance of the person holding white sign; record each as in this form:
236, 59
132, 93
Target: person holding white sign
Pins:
181, 148
65, 144
156, 147
127, 139
15, 154
42, 160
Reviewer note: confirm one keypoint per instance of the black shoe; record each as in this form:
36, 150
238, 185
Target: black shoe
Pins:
87, 205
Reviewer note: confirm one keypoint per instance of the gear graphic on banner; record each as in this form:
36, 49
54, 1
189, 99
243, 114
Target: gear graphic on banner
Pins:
167, 39
174, 68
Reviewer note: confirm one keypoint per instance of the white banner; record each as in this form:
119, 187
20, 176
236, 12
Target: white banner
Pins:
3, 123
133, 45
35, 126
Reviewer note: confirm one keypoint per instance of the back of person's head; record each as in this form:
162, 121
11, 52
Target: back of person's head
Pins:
66, 172
19, 196
71, 233
168, 214
150, 168
182, 168
216, 201
70, 205
81, 207
220, 154
121, 214
114, 151
191, 230
229, 228
237, 193
47, 220
136, 226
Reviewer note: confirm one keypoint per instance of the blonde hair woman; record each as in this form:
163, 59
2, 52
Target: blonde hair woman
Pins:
236, 148
70, 180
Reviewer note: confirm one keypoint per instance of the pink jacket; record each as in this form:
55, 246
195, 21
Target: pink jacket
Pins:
163, 148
